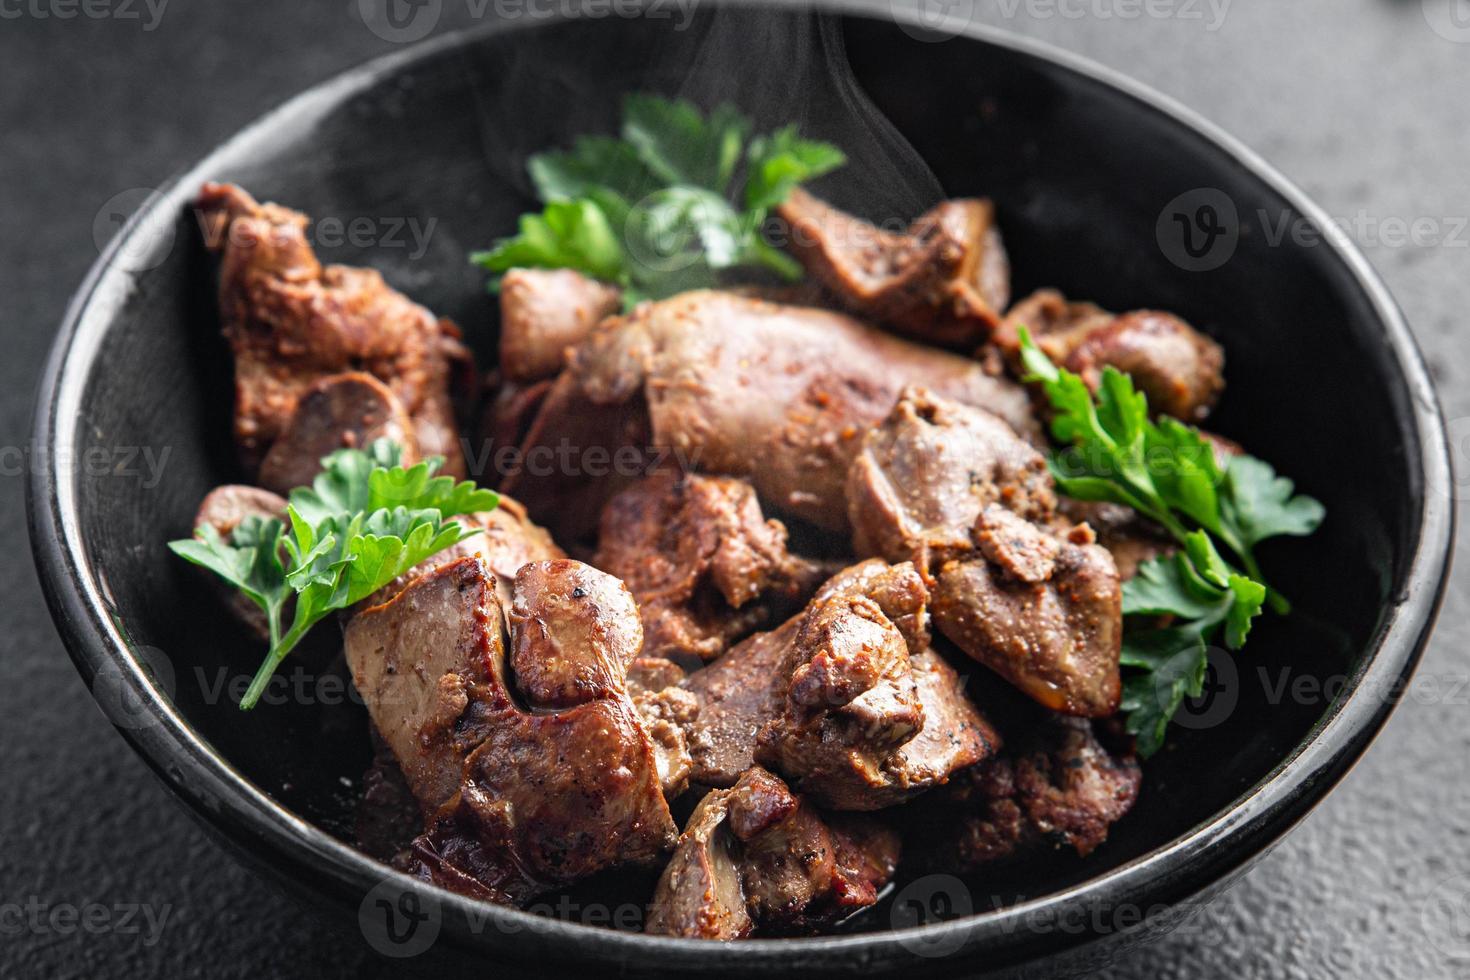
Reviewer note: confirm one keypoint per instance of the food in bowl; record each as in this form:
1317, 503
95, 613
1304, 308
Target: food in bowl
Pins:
856, 466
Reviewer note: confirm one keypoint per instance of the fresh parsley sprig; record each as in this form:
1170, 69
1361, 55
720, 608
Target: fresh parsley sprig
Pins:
660, 210
365, 520
1168, 472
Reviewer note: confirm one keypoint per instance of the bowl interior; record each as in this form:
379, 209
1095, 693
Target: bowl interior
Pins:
1080, 173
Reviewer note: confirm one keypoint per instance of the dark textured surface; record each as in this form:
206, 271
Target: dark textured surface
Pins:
1358, 100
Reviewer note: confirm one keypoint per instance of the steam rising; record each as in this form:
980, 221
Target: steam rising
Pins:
776, 65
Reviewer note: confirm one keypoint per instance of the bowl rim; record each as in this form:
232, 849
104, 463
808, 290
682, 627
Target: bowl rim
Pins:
1219, 847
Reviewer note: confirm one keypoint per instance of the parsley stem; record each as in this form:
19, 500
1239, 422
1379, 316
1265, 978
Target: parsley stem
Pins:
279, 649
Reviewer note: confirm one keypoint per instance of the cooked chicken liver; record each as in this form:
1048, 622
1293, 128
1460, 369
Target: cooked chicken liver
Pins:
1044, 612
1179, 368
705, 565
577, 454
956, 490
291, 321
923, 476
743, 387
758, 859
1063, 787
737, 695
746, 688
543, 313
1130, 538
544, 778
341, 411
417, 659
838, 698
701, 894
945, 280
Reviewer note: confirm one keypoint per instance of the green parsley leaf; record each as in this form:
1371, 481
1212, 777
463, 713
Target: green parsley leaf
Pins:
250, 561
1167, 471
676, 224
1258, 504
365, 521
1247, 597
565, 235
1182, 465
1173, 663
782, 160
594, 163
1168, 586
680, 145
658, 210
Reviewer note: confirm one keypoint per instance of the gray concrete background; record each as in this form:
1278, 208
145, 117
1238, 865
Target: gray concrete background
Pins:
1366, 103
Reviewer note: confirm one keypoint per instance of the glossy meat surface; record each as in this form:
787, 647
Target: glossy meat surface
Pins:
957, 491
290, 321
944, 280
839, 698
758, 859
544, 313
925, 474
705, 565
576, 632
737, 695
1180, 369
341, 411
416, 659
549, 775
576, 455
1044, 612
736, 385
1064, 786
701, 894
746, 689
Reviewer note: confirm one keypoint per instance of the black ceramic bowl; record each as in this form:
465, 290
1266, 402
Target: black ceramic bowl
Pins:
1087, 170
